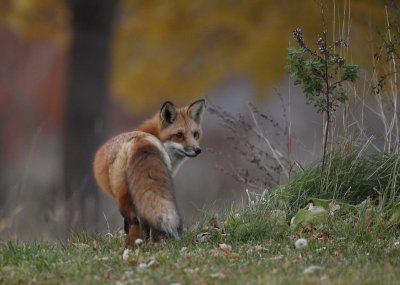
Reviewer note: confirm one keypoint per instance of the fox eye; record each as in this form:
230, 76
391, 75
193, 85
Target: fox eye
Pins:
196, 135
179, 135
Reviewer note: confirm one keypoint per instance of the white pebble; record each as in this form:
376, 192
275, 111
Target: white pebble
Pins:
225, 247
138, 241
316, 209
142, 266
126, 254
301, 243
312, 269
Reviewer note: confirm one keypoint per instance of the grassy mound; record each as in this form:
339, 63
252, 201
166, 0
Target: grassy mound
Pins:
370, 182
350, 178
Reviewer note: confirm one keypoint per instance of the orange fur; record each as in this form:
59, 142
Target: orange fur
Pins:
135, 168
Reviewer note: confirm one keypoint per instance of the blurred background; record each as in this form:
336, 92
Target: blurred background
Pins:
74, 73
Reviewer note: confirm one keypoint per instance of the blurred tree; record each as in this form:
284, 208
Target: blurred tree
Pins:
87, 89
2, 183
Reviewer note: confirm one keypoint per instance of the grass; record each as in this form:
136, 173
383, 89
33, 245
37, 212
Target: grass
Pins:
262, 251
251, 245
254, 244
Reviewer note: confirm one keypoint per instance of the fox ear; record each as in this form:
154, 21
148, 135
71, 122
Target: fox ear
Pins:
196, 110
168, 113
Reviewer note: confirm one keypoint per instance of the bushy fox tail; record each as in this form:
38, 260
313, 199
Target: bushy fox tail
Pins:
151, 189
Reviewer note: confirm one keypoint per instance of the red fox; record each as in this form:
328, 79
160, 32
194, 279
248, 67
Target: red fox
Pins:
136, 169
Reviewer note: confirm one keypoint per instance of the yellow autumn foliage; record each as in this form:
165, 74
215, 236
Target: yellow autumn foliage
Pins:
179, 50
36, 19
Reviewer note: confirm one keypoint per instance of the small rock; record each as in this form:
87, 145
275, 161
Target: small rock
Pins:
225, 247
218, 275
142, 266
138, 241
203, 237
313, 269
315, 209
301, 243
153, 264
125, 255
278, 257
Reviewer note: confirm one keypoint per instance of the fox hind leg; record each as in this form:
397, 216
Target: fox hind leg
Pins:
134, 233
132, 225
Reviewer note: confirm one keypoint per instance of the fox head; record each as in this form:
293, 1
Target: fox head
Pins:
180, 128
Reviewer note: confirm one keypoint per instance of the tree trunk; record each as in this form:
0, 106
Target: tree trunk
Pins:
87, 88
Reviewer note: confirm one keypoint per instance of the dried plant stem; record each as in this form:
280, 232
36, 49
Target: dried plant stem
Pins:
259, 133
394, 123
327, 111
327, 90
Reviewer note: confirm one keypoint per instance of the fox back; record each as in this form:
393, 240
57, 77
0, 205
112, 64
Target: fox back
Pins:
135, 169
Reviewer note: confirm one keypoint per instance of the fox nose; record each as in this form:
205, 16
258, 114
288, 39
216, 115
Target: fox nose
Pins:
197, 150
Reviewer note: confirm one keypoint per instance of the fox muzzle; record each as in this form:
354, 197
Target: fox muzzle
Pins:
192, 151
